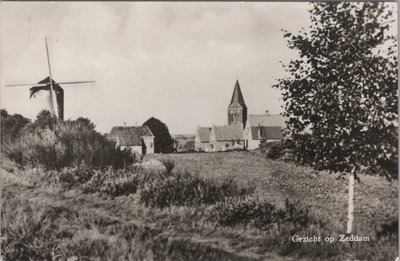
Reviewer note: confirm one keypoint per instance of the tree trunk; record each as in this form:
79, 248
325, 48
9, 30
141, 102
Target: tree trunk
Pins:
350, 216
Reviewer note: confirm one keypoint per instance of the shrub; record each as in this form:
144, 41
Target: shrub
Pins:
114, 182
45, 120
11, 125
278, 149
31, 233
250, 210
275, 152
67, 177
186, 189
169, 165
69, 144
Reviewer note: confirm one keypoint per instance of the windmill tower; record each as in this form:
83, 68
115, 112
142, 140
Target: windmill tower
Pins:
56, 93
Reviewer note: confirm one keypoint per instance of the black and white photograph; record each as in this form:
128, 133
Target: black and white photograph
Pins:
199, 131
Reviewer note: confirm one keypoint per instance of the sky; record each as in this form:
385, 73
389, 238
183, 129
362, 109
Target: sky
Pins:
177, 62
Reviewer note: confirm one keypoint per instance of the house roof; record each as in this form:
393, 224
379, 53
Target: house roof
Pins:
237, 97
204, 134
183, 136
266, 133
267, 120
130, 135
228, 133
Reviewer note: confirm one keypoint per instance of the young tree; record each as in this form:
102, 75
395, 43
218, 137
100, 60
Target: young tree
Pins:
343, 89
163, 143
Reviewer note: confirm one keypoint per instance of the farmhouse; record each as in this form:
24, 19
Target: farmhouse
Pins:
242, 131
138, 139
263, 128
224, 138
202, 139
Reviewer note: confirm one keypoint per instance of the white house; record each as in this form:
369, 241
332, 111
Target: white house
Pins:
263, 128
202, 139
139, 139
224, 138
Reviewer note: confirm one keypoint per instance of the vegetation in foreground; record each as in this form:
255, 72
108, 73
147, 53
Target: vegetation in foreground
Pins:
216, 213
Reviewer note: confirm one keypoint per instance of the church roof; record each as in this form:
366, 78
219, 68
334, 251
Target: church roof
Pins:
228, 133
274, 133
237, 97
130, 135
267, 120
204, 134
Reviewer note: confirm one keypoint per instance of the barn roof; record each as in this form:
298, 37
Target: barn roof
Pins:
204, 134
130, 135
267, 120
228, 133
266, 133
237, 97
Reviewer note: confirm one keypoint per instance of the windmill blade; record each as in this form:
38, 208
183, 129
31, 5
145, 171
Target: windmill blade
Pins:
76, 82
53, 101
27, 84
45, 84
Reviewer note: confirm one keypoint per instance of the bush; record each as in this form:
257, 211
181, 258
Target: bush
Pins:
250, 210
67, 177
114, 183
11, 126
31, 232
186, 189
278, 149
69, 144
275, 152
169, 165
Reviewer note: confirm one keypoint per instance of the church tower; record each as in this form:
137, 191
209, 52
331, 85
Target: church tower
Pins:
237, 110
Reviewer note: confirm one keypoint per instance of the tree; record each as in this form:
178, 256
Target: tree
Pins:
11, 125
45, 120
343, 89
163, 143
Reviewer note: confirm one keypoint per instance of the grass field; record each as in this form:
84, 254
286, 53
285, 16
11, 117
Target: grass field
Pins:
46, 221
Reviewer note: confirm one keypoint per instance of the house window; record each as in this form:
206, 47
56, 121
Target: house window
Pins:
151, 144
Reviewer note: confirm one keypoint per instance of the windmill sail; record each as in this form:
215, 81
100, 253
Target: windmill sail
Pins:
56, 93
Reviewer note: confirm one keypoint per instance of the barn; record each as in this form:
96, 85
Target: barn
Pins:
139, 139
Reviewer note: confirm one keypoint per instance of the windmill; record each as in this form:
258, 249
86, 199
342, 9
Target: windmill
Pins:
56, 93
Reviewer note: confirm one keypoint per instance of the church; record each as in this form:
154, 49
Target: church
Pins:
243, 131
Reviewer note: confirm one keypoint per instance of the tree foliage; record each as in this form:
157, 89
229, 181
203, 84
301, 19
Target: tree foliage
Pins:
11, 125
45, 120
341, 93
163, 143
51, 145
